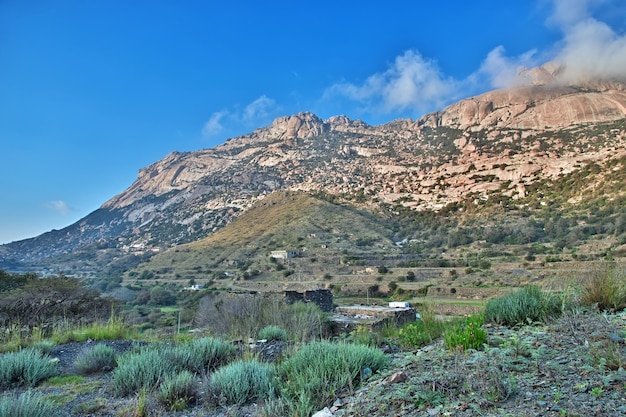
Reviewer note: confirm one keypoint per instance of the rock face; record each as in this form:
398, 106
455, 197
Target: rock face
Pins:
535, 107
489, 146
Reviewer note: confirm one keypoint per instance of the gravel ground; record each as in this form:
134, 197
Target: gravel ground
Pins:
573, 366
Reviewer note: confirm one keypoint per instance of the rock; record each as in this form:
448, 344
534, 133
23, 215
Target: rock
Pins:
323, 413
397, 378
434, 411
536, 107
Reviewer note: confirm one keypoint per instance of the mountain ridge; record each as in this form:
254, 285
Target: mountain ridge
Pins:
499, 142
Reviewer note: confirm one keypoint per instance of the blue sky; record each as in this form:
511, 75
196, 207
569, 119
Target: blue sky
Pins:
92, 91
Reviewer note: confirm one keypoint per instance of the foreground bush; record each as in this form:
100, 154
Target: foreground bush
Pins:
25, 368
151, 366
27, 405
605, 288
422, 331
142, 370
94, 359
313, 375
202, 355
179, 391
245, 381
527, 305
466, 334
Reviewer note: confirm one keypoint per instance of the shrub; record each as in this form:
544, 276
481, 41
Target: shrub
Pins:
202, 355
312, 376
527, 305
605, 288
27, 405
365, 336
25, 368
245, 381
467, 334
179, 391
142, 370
423, 331
272, 333
95, 359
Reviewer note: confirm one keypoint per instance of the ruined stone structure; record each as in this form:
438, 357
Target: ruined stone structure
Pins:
323, 298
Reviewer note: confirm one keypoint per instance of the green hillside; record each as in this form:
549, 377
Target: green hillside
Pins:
323, 233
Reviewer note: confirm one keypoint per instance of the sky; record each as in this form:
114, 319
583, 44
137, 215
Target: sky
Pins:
93, 91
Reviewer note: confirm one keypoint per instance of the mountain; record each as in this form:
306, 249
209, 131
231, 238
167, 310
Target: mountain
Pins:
496, 147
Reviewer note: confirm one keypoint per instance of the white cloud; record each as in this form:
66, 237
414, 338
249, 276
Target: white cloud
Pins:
591, 49
254, 114
410, 82
59, 206
502, 71
213, 126
259, 108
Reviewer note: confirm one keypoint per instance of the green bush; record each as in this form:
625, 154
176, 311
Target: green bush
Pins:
273, 333
202, 355
25, 368
245, 381
423, 331
142, 370
179, 391
527, 305
466, 334
313, 375
27, 405
94, 359
605, 289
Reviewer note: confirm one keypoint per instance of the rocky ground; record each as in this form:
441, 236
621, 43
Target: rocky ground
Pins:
573, 366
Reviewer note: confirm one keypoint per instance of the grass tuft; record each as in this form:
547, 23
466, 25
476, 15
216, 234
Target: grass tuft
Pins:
605, 289
245, 381
25, 368
93, 359
178, 392
525, 306
313, 375
27, 405
273, 333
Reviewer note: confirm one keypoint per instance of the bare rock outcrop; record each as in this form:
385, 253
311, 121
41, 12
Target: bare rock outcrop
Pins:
535, 107
301, 125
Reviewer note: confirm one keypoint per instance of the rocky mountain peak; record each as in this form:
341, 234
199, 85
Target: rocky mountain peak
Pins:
301, 125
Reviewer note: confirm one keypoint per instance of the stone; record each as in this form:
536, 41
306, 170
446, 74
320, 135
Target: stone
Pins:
397, 378
323, 413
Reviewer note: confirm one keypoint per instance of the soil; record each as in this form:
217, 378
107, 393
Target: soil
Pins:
573, 366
